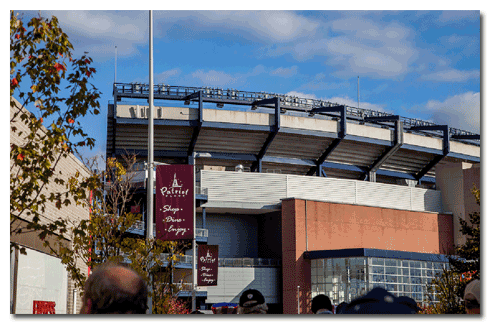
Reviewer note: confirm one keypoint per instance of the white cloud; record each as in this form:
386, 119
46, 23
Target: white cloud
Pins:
285, 72
361, 47
214, 78
301, 95
165, 76
459, 111
452, 16
452, 75
98, 32
277, 26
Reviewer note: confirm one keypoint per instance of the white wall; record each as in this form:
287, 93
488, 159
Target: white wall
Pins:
40, 277
232, 281
271, 188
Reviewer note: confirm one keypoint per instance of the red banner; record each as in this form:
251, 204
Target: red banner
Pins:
207, 265
174, 210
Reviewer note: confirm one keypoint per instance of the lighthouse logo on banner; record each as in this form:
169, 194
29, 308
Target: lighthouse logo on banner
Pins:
174, 211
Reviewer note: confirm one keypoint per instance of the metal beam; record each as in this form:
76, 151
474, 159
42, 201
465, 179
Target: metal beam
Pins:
397, 143
340, 136
257, 165
197, 128
264, 102
445, 147
468, 137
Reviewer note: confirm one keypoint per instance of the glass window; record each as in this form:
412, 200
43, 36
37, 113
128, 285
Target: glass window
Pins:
417, 297
378, 261
390, 263
378, 269
378, 278
415, 272
344, 278
416, 280
391, 278
438, 265
390, 287
414, 264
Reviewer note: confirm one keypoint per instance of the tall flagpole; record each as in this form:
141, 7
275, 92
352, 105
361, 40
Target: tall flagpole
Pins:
358, 93
149, 194
115, 66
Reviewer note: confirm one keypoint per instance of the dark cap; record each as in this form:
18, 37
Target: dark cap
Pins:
410, 302
251, 297
378, 301
319, 302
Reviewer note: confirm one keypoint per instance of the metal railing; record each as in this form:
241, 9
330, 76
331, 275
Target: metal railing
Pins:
239, 97
229, 262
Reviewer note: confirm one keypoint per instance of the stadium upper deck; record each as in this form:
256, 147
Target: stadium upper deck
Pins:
279, 133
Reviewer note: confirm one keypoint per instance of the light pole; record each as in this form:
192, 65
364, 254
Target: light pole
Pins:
149, 192
298, 299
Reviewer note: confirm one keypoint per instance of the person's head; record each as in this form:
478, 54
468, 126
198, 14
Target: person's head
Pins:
321, 304
341, 307
114, 289
378, 301
252, 302
472, 297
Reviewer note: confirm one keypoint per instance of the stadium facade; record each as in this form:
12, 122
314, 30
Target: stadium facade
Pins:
305, 196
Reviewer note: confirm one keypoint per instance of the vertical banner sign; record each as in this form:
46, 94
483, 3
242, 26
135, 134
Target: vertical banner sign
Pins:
174, 211
207, 265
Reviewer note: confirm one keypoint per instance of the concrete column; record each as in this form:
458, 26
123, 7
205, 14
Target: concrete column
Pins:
455, 181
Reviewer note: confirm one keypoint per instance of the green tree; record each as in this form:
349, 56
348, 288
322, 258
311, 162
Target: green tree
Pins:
106, 237
469, 252
42, 67
463, 266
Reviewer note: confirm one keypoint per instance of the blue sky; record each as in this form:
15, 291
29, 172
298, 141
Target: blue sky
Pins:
420, 64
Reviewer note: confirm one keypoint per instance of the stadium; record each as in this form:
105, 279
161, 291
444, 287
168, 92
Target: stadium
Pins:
303, 196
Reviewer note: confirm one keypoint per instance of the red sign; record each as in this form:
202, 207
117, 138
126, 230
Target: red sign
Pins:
174, 210
207, 265
43, 307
